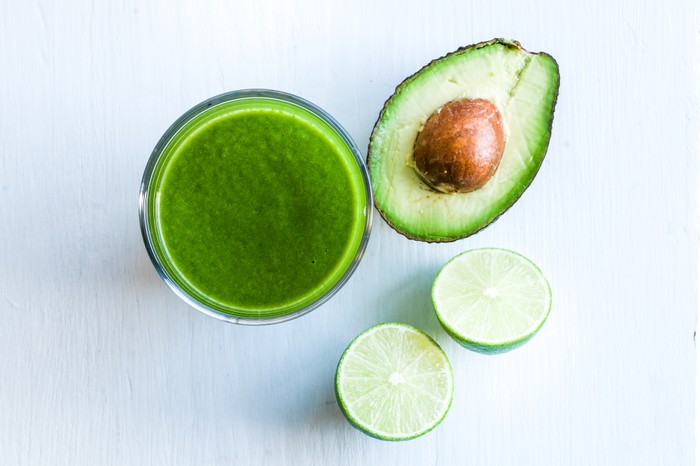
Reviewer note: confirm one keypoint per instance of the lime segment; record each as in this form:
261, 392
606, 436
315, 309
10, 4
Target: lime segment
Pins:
491, 300
394, 382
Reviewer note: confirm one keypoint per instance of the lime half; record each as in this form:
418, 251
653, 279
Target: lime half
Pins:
491, 300
394, 382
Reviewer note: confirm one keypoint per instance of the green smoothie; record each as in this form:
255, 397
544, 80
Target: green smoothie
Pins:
259, 209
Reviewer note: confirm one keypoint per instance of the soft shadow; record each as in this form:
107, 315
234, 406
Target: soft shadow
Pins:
410, 301
297, 386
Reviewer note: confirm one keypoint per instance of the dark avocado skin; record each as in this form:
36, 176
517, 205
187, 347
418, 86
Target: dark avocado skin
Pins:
508, 43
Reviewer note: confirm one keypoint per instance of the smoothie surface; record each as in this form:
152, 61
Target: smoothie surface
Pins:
260, 210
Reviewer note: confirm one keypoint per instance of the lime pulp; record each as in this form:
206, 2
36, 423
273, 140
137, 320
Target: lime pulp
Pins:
394, 382
491, 300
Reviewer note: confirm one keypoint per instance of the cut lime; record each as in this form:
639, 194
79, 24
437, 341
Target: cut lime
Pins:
491, 300
394, 382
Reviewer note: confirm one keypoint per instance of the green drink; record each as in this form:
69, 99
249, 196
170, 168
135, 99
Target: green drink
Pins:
255, 207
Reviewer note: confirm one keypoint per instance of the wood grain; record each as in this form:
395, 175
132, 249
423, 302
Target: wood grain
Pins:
101, 364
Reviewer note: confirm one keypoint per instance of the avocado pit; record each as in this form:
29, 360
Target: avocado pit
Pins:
460, 146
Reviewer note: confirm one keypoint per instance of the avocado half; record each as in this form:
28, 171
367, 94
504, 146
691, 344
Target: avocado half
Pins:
522, 85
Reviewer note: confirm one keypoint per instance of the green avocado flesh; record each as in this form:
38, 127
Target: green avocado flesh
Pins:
259, 210
524, 88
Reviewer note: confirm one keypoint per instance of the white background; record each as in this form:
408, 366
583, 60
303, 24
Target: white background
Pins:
101, 364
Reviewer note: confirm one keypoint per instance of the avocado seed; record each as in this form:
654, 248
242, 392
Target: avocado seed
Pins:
460, 146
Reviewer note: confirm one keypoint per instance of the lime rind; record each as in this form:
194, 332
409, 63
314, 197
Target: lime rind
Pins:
492, 346
370, 428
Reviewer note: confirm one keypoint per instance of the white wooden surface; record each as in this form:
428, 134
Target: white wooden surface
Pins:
101, 364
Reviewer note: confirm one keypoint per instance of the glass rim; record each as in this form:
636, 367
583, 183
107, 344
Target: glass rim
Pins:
155, 158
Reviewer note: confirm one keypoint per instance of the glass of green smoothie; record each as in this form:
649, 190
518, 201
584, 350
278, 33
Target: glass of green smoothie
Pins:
255, 207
